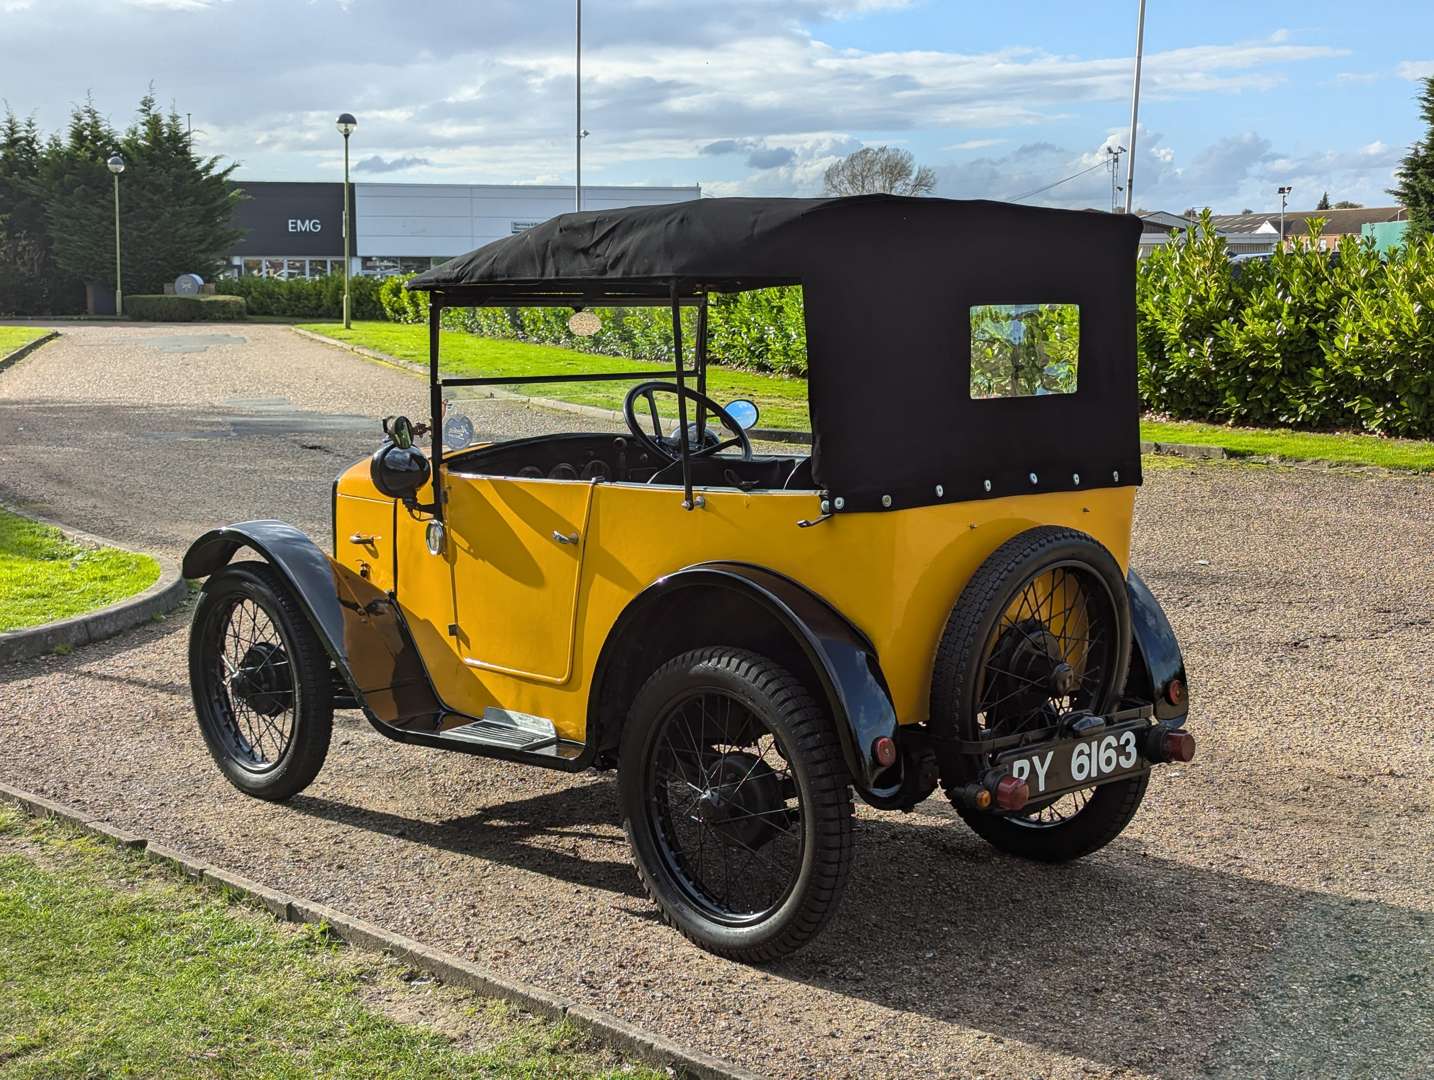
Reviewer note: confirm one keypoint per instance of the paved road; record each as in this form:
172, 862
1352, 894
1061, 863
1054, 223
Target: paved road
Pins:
1269, 913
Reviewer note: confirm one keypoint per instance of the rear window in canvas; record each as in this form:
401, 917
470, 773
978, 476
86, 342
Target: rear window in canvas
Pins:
1024, 350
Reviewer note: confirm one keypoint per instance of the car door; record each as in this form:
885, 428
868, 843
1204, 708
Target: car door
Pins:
517, 559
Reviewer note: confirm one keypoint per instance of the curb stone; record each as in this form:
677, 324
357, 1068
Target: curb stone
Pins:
768, 434
1193, 451
649, 1048
25, 350
166, 594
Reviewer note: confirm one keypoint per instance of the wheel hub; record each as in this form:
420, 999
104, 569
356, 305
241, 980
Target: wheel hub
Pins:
262, 681
743, 799
1028, 667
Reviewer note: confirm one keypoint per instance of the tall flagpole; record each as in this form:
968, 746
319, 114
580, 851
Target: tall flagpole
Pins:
1134, 108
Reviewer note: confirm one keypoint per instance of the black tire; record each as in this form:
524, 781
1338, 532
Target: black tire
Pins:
808, 848
1077, 824
270, 736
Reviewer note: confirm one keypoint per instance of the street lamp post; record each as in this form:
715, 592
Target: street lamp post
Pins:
346, 124
1284, 197
116, 166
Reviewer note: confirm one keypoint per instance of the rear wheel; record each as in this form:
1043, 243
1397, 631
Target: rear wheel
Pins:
261, 682
1042, 629
736, 802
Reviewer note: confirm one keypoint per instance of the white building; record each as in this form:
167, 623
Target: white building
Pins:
295, 229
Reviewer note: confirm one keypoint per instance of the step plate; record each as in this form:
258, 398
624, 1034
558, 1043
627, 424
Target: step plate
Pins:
513, 731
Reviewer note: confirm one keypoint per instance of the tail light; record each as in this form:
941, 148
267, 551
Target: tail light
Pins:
1176, 692
1178, 746
884, 750
1012, 794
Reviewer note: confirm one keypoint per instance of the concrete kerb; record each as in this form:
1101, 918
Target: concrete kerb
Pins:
166, 594
647, 1047
782, 435
16, 355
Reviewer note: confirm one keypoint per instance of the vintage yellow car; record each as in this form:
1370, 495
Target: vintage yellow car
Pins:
938, 595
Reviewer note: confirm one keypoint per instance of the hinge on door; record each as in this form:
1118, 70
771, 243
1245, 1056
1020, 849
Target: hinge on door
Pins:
453, 629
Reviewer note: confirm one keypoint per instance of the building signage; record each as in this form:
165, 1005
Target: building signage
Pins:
293, 220
524, 226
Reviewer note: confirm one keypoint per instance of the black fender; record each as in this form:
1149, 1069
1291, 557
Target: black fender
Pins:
359, 625
1155, 660
843, 660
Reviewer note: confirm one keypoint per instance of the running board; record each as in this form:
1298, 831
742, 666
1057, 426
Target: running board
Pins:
505, 730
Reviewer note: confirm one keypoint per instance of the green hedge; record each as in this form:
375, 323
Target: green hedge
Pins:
1302, 340
159, 308
306, 298
755, 331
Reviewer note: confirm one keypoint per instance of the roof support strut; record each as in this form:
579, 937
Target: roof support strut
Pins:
682, 437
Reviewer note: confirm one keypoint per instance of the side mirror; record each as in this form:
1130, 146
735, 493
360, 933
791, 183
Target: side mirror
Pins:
744, 412
400, 430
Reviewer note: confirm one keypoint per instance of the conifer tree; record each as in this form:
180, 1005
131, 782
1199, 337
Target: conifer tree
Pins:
1415, 176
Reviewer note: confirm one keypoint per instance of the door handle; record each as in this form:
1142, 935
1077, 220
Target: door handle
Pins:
563, 538
363, 539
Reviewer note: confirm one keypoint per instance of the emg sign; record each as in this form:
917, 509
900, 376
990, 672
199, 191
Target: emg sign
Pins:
309, 225
290, 219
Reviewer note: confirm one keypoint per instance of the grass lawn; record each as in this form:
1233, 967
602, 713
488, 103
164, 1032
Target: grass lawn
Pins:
114, 966
783, 401
12, 337
44, 576
1298, 445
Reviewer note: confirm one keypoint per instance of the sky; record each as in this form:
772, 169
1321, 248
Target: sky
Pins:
758, 97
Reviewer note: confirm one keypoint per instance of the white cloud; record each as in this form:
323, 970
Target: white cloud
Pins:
976, 144
1414, 70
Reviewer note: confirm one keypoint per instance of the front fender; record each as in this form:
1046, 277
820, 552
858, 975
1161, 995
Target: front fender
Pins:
1155, 661
843, 660
358, 624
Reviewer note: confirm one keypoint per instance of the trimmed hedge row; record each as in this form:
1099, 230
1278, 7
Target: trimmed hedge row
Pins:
306, 298
153, 307
755, 331
1302, 340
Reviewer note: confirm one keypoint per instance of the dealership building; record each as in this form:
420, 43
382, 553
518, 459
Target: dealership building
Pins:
295, 229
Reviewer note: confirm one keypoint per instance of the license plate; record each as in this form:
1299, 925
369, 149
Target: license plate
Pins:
1106, 755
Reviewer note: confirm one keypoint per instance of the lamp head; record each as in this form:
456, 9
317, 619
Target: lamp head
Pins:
346, 124
116, 164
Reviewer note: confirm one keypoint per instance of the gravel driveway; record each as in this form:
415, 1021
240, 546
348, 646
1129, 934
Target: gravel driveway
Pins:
1269, 913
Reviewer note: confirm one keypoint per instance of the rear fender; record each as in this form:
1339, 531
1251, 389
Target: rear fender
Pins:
1155, 660
840, 657
359, 624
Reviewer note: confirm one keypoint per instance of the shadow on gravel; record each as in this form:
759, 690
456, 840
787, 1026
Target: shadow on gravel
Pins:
1129, 958
523, 833
1126, 958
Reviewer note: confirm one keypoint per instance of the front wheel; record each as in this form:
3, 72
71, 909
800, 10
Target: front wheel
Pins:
736, 802
261, 682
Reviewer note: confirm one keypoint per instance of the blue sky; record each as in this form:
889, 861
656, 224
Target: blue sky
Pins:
759, 96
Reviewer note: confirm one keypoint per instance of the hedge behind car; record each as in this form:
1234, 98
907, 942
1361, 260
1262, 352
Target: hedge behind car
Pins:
156, 308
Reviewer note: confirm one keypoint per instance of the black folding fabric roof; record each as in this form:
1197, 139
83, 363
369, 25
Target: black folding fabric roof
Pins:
888, 284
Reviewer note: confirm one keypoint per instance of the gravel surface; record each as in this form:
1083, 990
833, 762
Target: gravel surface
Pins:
1270, 912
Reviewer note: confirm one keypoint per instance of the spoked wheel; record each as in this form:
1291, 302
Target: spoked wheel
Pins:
1041, 630
260, 680
736, 802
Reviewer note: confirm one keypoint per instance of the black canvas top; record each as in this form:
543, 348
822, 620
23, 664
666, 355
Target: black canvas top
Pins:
888, 284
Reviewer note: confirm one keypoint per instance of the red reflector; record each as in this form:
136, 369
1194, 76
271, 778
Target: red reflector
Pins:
884, 750
1179, 746
1176, 692
1012, 794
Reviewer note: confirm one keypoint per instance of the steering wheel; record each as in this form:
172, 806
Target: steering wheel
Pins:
669, 446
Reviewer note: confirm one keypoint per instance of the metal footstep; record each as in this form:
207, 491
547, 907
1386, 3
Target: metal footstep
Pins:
513, 730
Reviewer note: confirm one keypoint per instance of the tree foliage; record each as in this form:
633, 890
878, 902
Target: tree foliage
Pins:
1323, 203
881, 169
57, 216
1415, 175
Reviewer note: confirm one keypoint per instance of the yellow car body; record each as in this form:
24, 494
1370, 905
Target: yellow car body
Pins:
532, 613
